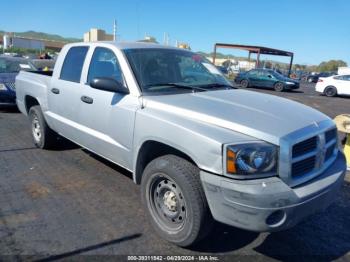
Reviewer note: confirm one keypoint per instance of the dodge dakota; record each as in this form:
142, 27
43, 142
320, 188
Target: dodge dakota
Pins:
200, 149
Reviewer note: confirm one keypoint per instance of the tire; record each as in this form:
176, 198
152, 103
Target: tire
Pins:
43, 136
330, 91
279, 87
244, 83
175, 201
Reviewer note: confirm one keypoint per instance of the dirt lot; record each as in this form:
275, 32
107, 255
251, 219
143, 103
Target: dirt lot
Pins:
68, 202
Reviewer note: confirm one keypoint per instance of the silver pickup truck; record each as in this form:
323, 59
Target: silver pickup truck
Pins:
201, 149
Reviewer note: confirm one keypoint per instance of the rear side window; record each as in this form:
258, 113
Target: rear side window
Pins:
73, 64
253, 73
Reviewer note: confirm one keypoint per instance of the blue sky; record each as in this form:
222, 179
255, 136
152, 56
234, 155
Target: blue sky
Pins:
314, 30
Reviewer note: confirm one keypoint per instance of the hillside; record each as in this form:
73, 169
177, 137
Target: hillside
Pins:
41, 35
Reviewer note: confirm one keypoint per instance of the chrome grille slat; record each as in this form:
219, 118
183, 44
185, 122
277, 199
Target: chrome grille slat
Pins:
302, 157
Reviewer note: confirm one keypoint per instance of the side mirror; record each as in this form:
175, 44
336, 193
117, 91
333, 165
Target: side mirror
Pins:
269, 76
108, 84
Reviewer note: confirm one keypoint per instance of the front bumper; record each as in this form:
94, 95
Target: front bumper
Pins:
269, 204
292, 86
7, 99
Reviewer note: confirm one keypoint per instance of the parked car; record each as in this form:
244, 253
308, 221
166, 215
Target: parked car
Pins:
334, 85
200, 149
314, 78
9, 68
266, 78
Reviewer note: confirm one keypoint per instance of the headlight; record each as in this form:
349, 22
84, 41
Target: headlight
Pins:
251, 159
290, 83
2, 87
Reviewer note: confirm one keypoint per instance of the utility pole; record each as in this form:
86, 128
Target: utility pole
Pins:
115, 31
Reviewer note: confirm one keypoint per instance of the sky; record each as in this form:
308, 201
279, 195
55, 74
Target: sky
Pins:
315, 31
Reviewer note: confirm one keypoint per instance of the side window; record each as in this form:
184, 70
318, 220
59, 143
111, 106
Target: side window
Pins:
260, 73
104, 63
346, 78
73, 64
253, 73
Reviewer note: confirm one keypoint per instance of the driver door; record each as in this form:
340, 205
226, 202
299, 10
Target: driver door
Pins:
107, 117
267, 79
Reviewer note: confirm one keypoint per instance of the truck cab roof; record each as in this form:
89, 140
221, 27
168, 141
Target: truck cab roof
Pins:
124, 45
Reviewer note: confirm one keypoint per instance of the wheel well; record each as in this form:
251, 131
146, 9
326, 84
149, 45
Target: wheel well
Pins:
30, 101
151, 150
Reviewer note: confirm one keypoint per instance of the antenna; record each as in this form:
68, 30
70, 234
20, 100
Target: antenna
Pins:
115, 30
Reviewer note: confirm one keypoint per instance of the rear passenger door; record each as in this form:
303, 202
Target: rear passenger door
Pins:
253, 77
64, 94
267, 79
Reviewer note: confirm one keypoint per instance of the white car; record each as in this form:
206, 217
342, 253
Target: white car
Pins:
334, 85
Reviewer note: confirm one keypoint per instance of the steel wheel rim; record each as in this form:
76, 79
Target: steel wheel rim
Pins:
167, 202
36, 128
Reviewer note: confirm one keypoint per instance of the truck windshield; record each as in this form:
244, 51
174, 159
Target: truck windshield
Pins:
168, 71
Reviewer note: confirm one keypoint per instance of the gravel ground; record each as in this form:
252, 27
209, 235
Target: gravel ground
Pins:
67, 202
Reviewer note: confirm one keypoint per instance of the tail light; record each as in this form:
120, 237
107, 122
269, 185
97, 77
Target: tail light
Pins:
320, 80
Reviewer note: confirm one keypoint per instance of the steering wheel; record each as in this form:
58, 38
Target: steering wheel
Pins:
189, 79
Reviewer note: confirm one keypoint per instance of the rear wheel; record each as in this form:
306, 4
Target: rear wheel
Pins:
245, 83
330, 91
175, 201
279, 87
43, 136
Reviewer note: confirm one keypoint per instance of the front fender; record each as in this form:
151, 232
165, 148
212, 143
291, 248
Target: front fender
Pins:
202, 142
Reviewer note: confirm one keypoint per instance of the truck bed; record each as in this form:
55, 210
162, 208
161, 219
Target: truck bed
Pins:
32, 84
45, 73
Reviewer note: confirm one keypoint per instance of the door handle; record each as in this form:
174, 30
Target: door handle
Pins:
87, 99
55, 91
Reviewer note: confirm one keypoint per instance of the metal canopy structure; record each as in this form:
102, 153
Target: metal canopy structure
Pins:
259, 50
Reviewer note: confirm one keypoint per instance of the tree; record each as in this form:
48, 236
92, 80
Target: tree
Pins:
331, 65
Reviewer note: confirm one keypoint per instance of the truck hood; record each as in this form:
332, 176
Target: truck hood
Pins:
7, 77
262, 116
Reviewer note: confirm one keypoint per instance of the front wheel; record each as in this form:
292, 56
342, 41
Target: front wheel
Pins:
44, 137
279, 87
175, 201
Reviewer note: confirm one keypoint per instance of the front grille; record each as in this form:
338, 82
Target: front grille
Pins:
11, 85
329, 152
304, 147
304, 166
330, 135
309, 156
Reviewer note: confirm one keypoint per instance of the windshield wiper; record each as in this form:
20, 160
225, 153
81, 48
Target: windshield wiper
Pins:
216, 85
193, 88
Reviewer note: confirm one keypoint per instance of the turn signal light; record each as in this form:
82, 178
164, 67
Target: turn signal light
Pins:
230, 162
